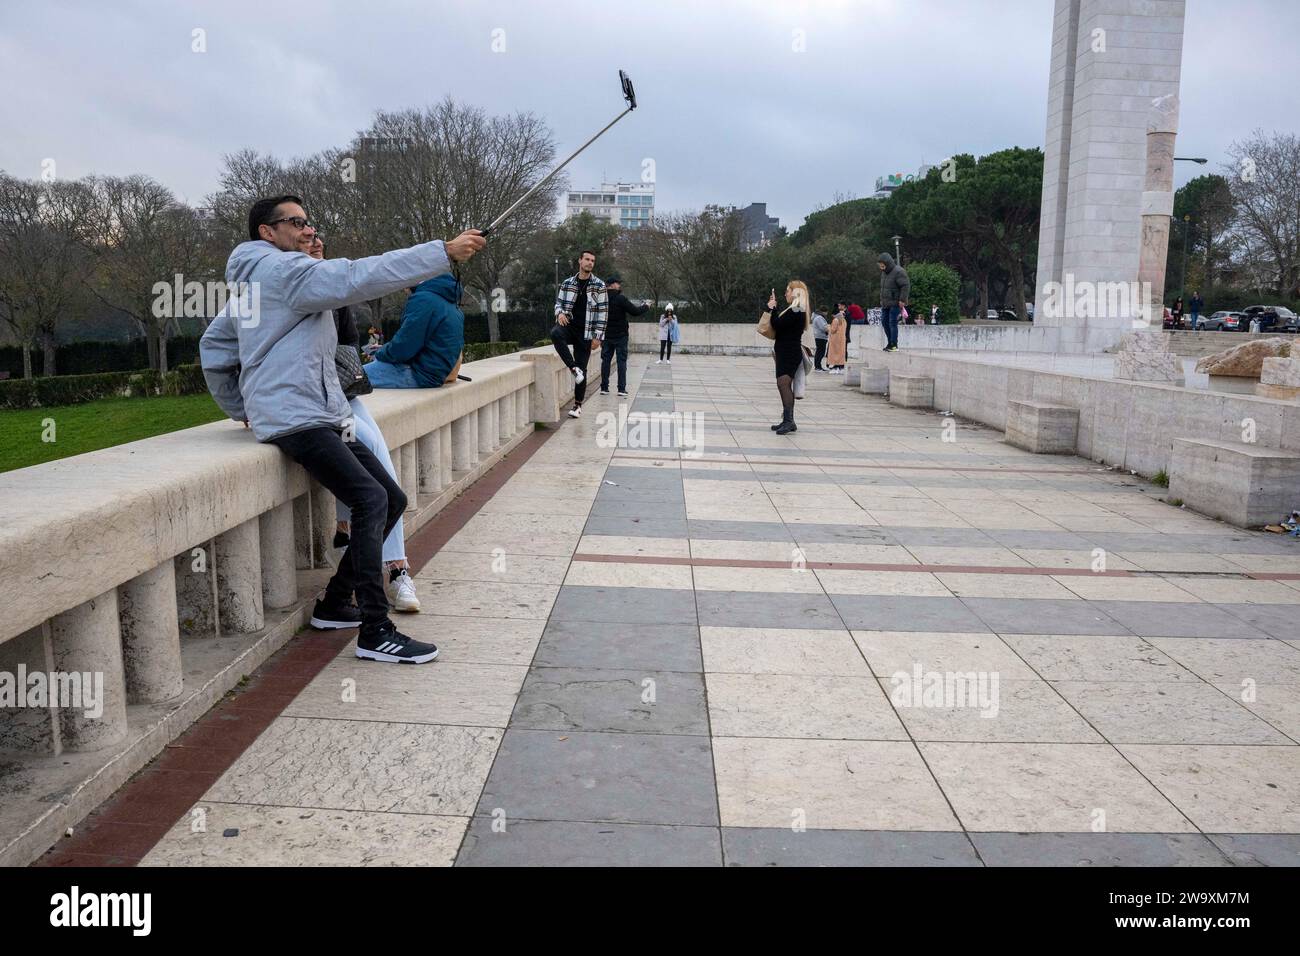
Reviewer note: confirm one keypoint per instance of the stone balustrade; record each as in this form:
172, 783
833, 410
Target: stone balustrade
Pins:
170, 567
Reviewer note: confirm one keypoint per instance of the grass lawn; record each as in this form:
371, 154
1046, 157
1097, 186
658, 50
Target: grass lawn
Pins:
94, 425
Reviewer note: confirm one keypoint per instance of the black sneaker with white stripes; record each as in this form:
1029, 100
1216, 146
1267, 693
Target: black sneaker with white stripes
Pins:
385, 643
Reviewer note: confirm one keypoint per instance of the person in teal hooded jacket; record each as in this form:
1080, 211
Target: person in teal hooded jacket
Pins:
428, 345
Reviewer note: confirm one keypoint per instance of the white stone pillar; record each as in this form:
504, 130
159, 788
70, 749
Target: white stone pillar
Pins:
506, 416
427, 452
279, 556
523, 402
31, 729
324, 520
1157, 205
487, 431
464, 440
239, 579
85, 642
151, 639
302, 531
409, 473
196, 605
444, 456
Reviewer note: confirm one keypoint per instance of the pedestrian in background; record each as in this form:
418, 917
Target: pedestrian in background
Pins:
837, 346
821, 332
667, 334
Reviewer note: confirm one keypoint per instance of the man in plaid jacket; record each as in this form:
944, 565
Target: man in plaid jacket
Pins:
581, 309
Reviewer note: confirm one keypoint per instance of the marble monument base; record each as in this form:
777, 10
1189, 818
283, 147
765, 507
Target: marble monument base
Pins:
1146, 357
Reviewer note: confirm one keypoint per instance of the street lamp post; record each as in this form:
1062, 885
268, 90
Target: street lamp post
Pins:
557, 272
1182, 285
898, 256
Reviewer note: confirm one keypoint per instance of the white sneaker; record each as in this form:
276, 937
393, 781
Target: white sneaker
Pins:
659, 361
575, 411
669, 361
577, 375
401, 591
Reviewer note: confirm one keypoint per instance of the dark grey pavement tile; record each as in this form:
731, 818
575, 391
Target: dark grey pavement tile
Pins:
636, 527
1042, 540
640, 508
1097, 849
1279, 620
739, 530
745, 846
887, 612
1050, 616
847, 533
1175, 619
615, 778
1243, 543
760, 609
600, 699
670, 647
942, 537
1260, 849
624, 605
556, 843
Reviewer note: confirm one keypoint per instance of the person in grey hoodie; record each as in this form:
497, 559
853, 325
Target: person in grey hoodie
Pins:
269, 363
821, 333
894, 289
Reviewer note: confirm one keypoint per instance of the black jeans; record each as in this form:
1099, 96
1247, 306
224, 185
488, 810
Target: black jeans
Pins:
358, 479
608, 348
821, 354
665, 344
574, 353
889, 319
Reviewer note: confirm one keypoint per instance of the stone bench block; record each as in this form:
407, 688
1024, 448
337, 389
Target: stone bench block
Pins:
1042, 427
875, 381
1245, 485
911, 391
1279, 378
852, 376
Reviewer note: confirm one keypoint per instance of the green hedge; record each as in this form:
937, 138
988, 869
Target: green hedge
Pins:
934, 283
77, 389
86, 358
481, 350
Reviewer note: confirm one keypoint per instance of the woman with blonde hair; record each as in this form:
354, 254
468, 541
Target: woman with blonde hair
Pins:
787, 348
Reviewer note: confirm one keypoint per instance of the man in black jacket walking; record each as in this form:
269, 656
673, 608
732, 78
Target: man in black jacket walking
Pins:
616, 334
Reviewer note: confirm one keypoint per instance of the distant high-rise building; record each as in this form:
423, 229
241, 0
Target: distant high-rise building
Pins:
760, 228
630, 205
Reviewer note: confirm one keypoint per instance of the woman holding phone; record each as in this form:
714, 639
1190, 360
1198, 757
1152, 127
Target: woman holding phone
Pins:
787, 348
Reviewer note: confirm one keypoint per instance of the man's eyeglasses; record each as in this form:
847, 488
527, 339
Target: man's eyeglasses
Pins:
296, 221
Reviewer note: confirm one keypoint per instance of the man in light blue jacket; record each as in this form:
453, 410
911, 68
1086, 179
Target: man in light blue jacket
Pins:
270, 364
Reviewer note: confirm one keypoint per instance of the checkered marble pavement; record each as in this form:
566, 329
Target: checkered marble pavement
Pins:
888, 638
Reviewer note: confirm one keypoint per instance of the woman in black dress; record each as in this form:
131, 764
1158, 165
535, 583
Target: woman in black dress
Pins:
787, 348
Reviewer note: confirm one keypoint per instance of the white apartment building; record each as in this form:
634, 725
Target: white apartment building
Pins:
630, 205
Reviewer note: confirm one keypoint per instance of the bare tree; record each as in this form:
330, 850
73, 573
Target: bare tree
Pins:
647, 256
1264, 177
143, 236
426, 174
44, 258
704, 250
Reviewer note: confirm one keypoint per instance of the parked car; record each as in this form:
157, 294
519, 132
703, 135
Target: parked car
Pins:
1223, 321
1272, 318
993, 315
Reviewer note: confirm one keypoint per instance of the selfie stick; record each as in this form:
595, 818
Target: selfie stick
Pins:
629, 94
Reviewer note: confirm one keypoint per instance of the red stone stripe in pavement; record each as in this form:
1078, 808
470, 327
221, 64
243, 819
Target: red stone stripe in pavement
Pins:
122, 830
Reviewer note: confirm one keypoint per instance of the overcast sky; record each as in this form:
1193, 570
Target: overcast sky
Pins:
729, 111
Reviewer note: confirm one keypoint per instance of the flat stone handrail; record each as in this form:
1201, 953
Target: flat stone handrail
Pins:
75, 528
